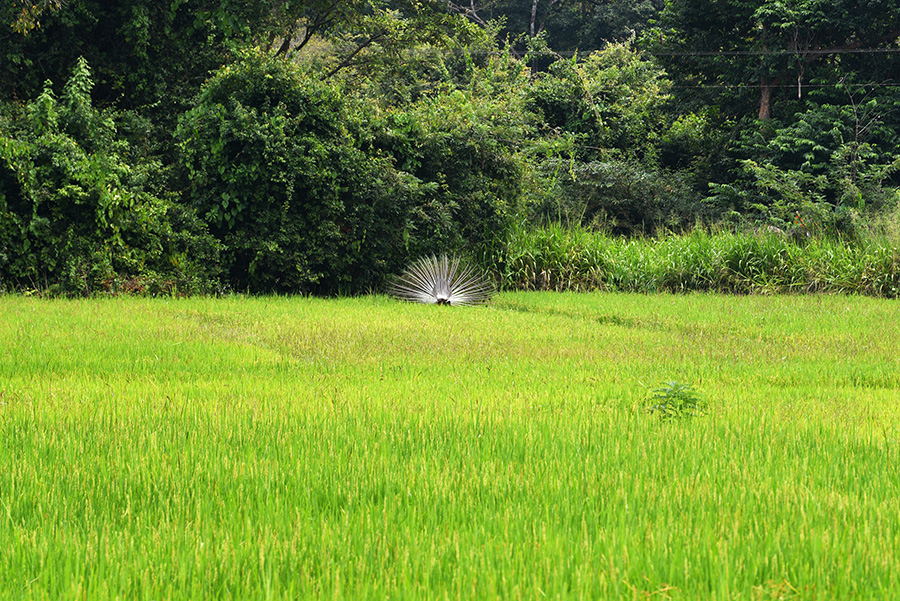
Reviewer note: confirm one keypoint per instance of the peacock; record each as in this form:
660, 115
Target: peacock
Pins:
442, 280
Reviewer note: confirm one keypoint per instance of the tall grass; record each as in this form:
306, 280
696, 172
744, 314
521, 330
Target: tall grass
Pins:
554, 258
290, 448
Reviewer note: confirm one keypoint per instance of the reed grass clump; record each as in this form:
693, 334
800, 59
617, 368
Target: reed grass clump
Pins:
554, 258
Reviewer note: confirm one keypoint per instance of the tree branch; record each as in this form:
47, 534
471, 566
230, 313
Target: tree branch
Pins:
348, 60
470, 12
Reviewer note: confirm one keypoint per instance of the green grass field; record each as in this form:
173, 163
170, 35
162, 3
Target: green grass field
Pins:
293, 448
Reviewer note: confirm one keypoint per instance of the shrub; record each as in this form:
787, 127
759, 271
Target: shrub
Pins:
463, 150
274, 164
74, 214
620, 196
675, 401
612, 105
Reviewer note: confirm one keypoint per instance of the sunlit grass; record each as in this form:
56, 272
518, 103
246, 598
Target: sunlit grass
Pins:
364, 448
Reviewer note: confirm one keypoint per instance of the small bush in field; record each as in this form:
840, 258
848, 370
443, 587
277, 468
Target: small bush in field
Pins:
676, 401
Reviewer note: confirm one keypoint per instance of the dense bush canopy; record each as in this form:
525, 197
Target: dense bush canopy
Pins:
76, 215
273, 167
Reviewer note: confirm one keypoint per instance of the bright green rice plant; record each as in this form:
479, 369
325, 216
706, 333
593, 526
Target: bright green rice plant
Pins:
268, 448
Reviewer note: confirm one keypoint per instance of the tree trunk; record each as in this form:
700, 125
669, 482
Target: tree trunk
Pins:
534, 6
765, 99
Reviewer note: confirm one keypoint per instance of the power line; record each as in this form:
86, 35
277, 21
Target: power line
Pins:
821, 52
776, 52
754, 87
791, 86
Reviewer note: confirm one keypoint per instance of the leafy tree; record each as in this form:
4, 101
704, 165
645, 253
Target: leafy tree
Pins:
434, 64
772, 45
613, 104
604, 21
312, 190
463, 150
613, 99
30, 12
823, 171
567, 24
154, 55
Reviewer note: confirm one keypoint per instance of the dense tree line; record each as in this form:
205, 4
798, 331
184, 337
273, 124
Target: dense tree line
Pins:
315, 146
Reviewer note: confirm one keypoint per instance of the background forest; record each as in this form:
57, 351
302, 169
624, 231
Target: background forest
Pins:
317, 146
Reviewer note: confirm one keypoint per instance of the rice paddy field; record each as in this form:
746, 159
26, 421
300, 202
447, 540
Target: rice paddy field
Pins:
296, 448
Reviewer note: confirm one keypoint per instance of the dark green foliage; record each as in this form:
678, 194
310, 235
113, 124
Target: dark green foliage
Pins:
142, 51
462, 150
611, 100
763, 49
620, 196
311, 193
274, 164
147, 53
824, 171
74, 214
567, 26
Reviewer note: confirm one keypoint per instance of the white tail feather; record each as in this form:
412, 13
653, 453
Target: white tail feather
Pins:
443, 281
